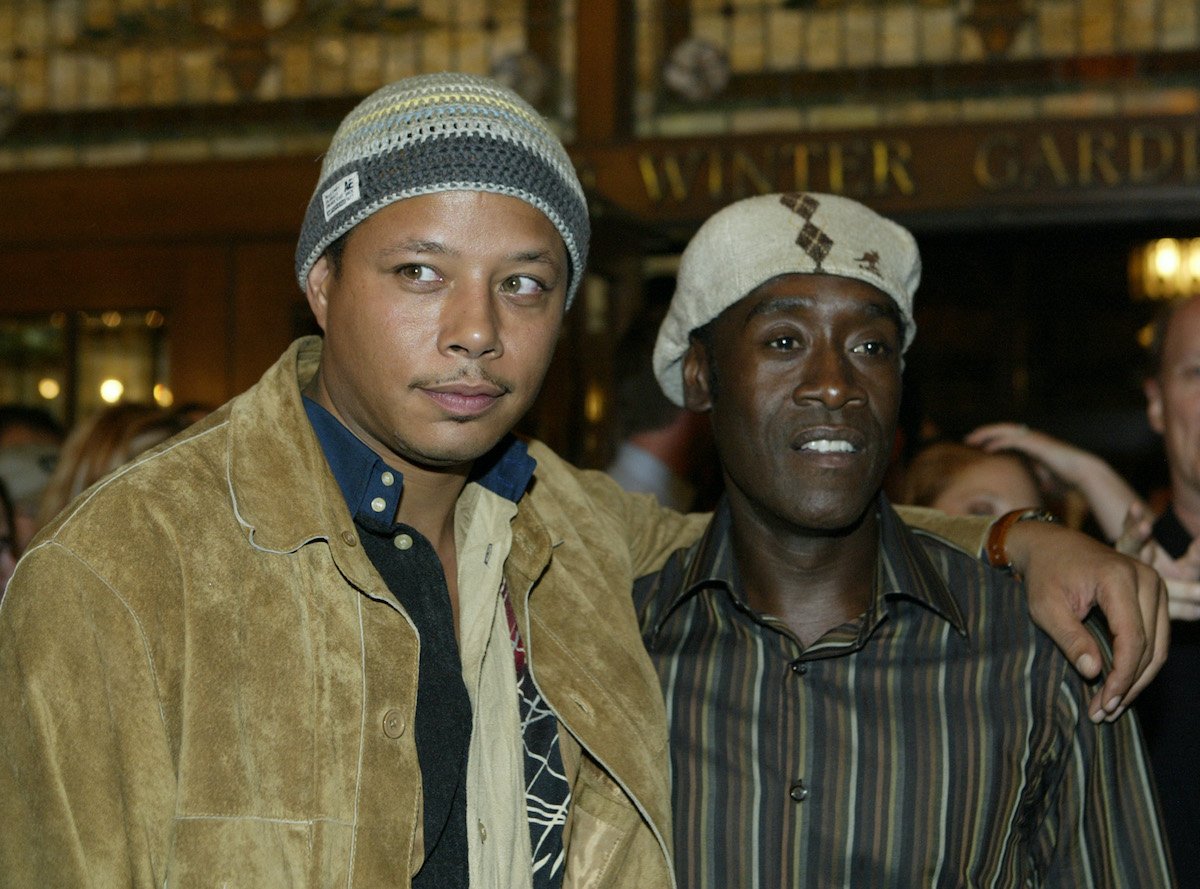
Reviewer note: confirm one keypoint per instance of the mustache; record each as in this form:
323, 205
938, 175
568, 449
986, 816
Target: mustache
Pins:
467, 374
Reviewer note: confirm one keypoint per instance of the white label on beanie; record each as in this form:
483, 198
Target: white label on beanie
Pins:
340, 195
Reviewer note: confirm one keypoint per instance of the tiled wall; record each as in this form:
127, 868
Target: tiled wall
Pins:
756, 36
45, 71
48, 66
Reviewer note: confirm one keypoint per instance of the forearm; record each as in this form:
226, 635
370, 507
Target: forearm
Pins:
1108, 496
968, 533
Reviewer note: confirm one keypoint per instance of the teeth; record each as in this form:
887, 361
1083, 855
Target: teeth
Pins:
826, 446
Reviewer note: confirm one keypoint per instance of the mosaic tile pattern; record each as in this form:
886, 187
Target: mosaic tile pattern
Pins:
812, 37
69, 56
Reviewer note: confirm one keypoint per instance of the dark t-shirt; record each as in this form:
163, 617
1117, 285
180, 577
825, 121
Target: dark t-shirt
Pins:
1170, 713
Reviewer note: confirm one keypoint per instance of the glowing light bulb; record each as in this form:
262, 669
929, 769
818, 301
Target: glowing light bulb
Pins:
111, 390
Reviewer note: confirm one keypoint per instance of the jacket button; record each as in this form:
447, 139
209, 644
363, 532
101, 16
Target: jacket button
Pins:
393, 724
348, 538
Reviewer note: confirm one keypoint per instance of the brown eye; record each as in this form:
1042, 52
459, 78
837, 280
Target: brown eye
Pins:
418, 272
522, 285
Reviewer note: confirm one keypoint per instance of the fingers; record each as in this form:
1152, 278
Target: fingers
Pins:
995, 436
1080, 647
1139, 633
1162, 641
1188, 564
1183, 598
1135, 533
1066, 574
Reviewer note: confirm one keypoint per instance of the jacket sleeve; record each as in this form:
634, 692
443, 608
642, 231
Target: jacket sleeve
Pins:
968, 533
1103, 827
86, 778
650, 531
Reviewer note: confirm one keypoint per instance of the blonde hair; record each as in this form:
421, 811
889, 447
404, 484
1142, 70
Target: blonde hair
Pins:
104, 441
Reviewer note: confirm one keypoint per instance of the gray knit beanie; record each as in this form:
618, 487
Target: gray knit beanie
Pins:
443, 132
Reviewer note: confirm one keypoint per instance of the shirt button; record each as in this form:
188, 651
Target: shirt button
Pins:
402, 541
378, 504
348, 538
482, 831
799, 668
388, 479
393, 724
798, 791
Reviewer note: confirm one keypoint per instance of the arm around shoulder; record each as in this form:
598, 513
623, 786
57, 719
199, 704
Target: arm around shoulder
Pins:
87, 787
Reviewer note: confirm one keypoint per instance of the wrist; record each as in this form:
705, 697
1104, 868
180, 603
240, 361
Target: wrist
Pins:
1000, 546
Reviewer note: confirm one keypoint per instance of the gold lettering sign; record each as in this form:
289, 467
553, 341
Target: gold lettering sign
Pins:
935, 168
860, 168
1141, 155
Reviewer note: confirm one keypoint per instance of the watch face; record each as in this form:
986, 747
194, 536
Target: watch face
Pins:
697, 70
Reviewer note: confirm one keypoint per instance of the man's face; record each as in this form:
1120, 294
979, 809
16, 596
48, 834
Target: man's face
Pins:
808, 390
1173, 397
440, 324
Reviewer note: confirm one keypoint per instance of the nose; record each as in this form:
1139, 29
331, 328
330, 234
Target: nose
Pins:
469, 325
829, 378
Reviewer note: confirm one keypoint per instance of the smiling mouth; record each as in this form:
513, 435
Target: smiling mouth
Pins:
829, 446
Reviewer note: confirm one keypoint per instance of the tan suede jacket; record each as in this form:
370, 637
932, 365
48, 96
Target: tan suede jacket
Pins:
205, 683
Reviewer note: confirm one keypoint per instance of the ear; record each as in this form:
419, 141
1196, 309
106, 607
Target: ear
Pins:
316, 289
696, 394
1154, 405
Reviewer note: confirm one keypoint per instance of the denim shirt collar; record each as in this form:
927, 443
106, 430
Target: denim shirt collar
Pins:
372, 488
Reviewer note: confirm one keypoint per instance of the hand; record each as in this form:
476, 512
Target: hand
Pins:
1181, 575
1107, 494
1067, 574
1062, 460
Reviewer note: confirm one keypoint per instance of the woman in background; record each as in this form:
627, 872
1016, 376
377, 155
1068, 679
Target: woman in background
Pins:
963, 480
106, 440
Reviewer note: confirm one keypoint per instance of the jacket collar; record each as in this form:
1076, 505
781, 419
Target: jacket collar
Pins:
283, 493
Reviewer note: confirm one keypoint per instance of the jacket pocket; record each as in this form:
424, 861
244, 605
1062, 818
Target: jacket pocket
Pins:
211, 852
610, 845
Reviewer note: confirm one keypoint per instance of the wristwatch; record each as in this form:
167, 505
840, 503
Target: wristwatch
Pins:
997, 553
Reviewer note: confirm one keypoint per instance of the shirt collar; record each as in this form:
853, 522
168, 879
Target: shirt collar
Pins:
372, 488
904, 570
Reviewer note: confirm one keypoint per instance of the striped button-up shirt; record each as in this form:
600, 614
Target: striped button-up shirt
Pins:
938, 740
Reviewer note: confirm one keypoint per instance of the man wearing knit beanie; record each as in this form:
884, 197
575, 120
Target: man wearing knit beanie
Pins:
348, 630
863, 705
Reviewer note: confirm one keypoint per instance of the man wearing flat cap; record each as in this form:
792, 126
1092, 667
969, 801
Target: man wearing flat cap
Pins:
852, 702
348, 631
